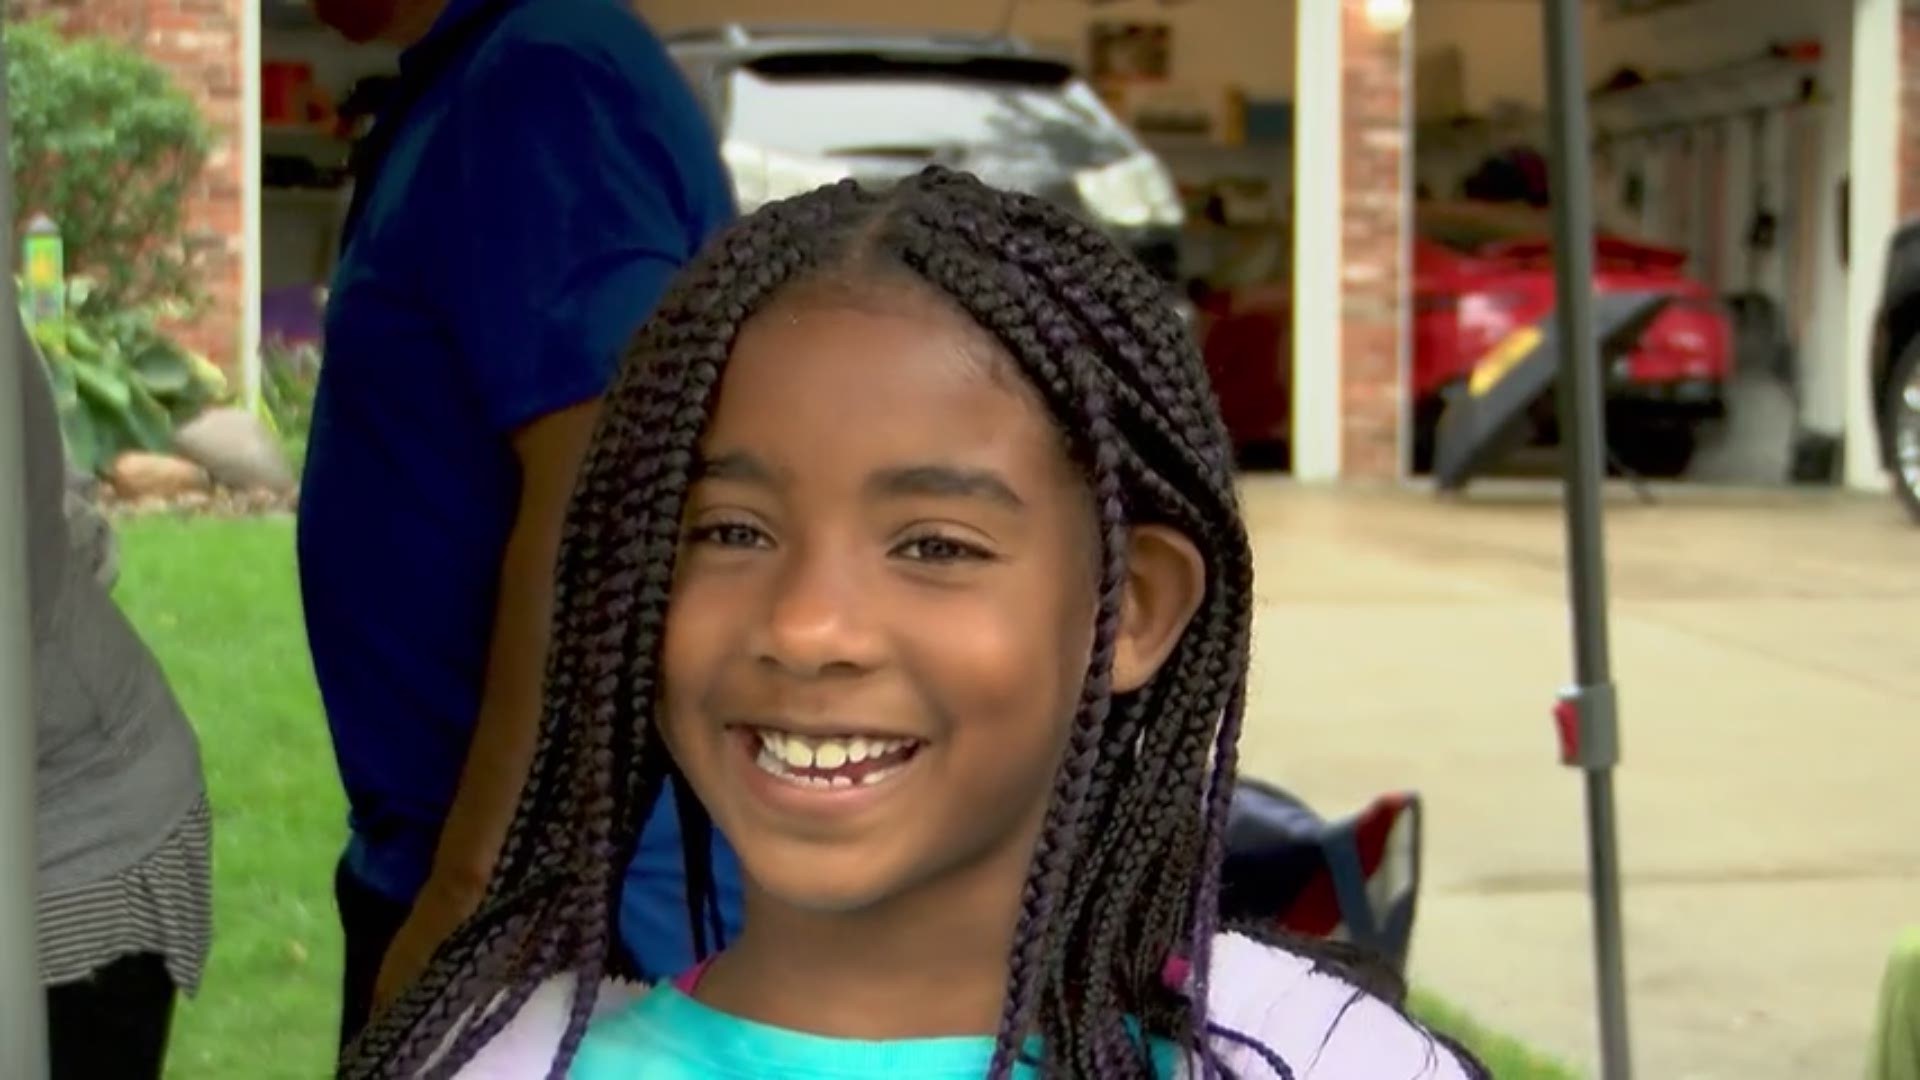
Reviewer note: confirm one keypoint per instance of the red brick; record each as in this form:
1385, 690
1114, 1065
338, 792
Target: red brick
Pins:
1373, 319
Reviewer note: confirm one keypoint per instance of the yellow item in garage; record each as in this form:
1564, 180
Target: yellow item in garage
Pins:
1504, 357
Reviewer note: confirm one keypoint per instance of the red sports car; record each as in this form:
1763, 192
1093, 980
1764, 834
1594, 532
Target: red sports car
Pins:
1481, 271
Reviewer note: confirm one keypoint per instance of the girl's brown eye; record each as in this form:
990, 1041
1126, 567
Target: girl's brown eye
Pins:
941, 549
728, 534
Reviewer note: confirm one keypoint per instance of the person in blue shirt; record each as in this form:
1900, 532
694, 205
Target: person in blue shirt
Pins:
542, 171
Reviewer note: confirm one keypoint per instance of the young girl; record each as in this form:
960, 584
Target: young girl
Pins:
909, 542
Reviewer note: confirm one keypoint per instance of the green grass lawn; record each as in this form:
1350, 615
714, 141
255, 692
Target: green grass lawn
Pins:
218, 603
1507, 1058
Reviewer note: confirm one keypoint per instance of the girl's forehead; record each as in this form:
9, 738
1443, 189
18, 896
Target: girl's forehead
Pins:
832, 381
907, 331
893, 297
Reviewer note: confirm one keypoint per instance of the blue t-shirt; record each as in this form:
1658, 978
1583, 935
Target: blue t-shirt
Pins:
534, 204
666, 1035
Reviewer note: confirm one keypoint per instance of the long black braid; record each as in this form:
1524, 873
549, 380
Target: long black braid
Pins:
1147, 772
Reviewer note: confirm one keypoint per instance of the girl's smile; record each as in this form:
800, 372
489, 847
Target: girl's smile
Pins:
830, 762
824, 775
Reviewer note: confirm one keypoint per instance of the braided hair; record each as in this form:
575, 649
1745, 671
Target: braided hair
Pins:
1148, 772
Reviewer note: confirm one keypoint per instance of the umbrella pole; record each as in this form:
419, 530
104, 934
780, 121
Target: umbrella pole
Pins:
23, 1026
1588, 718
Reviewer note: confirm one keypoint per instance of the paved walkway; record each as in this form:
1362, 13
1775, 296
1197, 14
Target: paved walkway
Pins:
1768, 652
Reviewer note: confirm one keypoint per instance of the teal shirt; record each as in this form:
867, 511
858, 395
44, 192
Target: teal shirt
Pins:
666, 1035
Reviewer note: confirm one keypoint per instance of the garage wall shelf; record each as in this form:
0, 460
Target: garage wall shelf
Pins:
1785, 77
1628, 9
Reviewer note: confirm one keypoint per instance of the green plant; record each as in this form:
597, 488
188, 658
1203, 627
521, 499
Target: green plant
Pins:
289, 375
107, 145
120, 382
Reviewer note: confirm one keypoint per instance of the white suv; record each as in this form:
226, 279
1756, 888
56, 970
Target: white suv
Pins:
797, 108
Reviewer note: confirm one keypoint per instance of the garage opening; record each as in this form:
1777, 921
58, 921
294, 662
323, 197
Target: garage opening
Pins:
1168, 125
1721, 157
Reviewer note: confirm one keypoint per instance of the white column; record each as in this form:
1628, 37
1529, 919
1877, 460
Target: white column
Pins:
1317, 178
250, 255
1874, 106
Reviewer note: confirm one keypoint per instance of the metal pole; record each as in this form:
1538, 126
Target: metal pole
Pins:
1595, 743
23, 1026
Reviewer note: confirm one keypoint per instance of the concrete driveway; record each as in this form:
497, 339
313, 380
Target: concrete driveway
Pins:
1767, 648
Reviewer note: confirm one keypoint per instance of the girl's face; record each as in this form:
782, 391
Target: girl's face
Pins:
883, 608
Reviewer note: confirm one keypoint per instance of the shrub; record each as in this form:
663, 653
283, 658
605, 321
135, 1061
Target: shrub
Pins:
106, 145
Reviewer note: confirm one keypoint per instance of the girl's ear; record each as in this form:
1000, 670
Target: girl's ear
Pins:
1166, 580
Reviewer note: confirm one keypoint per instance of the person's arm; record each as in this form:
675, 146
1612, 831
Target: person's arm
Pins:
541, 296
550, 450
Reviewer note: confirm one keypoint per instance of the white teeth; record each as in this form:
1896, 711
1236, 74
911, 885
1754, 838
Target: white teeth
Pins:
798, 754
785, 754
806, 752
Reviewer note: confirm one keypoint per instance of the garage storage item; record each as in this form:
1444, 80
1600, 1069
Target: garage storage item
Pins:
1482, 421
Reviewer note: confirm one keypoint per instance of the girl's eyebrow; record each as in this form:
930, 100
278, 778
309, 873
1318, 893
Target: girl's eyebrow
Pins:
945, 482
902, 482
735, 466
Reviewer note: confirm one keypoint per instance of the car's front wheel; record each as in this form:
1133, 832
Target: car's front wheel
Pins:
1655, 451
1903, 428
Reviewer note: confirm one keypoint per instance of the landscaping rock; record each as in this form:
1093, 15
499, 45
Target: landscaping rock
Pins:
237, 450
137, 477
218, 502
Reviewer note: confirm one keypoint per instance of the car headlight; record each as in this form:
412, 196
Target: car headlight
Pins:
1131, 192
761, 176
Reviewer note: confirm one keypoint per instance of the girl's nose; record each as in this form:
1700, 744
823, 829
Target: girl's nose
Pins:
819, 619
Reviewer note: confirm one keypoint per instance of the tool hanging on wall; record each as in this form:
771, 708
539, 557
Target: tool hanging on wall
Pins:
1763, 231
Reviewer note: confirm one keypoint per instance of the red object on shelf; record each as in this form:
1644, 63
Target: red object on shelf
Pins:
285, 88
1805, 50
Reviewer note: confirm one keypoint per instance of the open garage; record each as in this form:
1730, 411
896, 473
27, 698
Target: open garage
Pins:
1723, 151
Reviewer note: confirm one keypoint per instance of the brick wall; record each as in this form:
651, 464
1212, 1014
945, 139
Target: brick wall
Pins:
198, 41
1909, 191
1374, 321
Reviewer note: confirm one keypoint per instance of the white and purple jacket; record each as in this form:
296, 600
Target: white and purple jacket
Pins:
1270, 1016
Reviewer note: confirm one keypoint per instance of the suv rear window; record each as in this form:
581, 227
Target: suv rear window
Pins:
870, 102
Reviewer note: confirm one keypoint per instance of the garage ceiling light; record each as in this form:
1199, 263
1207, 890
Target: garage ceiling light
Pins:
1389, 16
